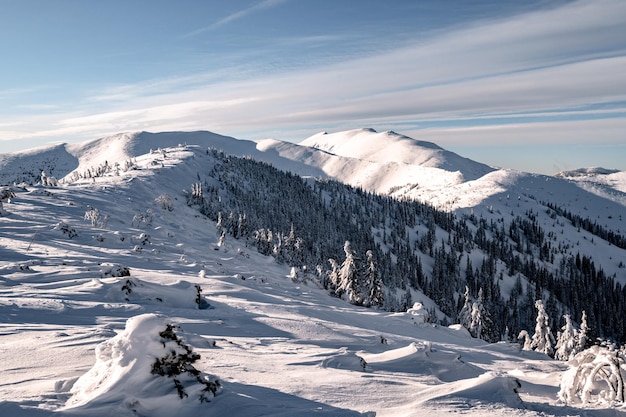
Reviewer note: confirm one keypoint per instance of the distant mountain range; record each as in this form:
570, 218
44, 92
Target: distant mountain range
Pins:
381, 162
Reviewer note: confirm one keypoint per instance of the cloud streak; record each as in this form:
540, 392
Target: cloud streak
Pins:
263, 5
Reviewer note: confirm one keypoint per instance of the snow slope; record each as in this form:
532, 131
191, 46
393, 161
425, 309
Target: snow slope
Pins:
610, 184
75, 338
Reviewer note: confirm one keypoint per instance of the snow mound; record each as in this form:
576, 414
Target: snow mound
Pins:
179, 294
489, 390
345, 359
421, 359
127, 377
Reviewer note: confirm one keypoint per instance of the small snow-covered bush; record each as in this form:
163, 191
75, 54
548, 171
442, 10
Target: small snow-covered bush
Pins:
96, 218
127, 288
201, 302
115, 270
142, 238
596, 376
165, 202
145, 218
66, 229
6, 194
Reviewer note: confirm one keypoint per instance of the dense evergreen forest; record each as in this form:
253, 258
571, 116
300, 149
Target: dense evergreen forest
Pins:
507, 264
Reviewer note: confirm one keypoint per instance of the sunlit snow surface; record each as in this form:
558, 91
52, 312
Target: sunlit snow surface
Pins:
279, 347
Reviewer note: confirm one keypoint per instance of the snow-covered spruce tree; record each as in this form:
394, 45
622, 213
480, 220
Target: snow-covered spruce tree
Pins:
373, 283
582, 334
178, 365
349, 276
47, 181
480, 322
465, 315
542, 340
567, 342
201, 301
219, 225
595, 377
334, 279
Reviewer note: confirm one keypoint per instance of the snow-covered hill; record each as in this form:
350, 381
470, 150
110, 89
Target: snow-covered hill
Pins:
91, 270
607, 183
391, 147
385, 163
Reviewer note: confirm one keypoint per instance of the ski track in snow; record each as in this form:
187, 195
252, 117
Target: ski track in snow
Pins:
279, 347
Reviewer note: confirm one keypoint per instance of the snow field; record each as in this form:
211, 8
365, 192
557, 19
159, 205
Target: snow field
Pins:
78, 336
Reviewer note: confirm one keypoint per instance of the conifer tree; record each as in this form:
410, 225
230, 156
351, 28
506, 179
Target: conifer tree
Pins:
465, 315
373, 283
523, 335
582, 335
542, 340
567, 341
349, 276
334, 278
480, 322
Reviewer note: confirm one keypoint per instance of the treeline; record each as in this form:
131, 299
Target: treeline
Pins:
306, 222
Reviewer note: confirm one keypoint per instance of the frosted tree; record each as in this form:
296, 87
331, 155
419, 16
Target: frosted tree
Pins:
465, 315
373, 283
567, 341
542, 340
165, 202
596, 377
333, 277
480, 322
219, 225
582, 334
349, 276
523, 335
47, 181
242, 226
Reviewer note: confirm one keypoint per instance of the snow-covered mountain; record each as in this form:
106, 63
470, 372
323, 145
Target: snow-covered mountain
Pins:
146, 229
385, 163
607, 183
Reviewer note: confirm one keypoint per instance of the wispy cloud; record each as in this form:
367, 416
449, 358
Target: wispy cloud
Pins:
262, 5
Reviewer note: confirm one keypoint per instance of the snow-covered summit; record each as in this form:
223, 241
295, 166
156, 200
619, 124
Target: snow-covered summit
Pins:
580, 172
607, 183
391, 147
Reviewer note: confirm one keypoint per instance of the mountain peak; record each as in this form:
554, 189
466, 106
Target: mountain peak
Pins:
393, 148
586, 171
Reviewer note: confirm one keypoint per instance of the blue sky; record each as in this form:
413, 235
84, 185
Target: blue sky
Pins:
531, 85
